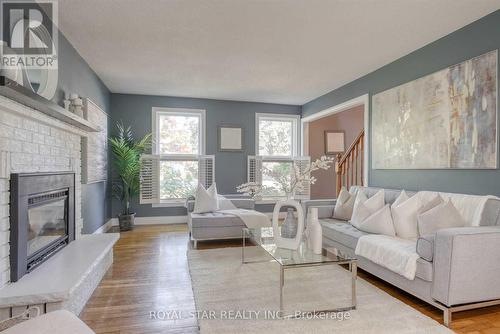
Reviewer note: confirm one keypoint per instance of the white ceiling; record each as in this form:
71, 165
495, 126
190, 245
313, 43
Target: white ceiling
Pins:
281, 51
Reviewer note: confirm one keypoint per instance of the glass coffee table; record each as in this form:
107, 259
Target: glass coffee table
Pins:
300, 258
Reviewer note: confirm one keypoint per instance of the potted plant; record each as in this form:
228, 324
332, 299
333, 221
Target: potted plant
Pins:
127, 163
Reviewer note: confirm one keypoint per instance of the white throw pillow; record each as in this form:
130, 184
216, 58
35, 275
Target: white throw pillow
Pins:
445, 215
433, 202
404, 216
364, 207
401, 198
379, 222
376, 202
206, 200
344, 205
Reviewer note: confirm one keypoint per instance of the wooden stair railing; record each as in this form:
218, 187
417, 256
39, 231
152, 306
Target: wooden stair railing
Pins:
349, 167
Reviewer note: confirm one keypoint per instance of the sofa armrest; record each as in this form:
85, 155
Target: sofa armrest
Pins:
466, 265
325, 206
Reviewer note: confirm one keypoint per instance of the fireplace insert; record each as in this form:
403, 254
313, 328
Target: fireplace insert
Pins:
42, 219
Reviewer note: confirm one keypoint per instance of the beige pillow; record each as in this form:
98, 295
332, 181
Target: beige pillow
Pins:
445, 215
404, 216
401, 198
379, 222
433, 202
344, 205
364, 207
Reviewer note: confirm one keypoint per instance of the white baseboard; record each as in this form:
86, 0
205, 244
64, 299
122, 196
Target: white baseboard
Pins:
104, 228
159, 220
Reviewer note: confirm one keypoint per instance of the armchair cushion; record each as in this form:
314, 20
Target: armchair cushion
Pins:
239, 202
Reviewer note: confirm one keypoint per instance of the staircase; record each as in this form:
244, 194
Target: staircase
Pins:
349, 167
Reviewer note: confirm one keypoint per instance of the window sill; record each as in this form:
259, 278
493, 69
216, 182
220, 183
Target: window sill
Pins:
169, 204
269, 200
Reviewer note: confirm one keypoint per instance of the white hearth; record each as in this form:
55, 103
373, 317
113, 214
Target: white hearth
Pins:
65, 281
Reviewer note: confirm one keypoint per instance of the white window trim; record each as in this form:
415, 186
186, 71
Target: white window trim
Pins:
156, 113
295, 133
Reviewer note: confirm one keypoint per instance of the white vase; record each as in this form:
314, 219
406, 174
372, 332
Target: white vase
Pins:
288, 243
314, 232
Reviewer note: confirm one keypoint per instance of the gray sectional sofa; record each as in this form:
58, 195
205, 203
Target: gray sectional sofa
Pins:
458, 268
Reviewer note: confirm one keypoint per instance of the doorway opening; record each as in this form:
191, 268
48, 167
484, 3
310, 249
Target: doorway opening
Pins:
342, 132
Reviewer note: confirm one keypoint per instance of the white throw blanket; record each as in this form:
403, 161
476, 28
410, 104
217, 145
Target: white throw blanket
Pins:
251, 218
396, 254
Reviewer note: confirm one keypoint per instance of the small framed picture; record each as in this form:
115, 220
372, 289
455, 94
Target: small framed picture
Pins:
334, 142
230, 138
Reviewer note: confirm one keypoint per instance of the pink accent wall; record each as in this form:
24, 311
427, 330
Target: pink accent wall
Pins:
351, 122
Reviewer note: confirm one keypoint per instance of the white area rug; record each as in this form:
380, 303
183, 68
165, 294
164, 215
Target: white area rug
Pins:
221, 284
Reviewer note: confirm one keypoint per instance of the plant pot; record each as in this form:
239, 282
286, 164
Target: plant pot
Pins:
126, 222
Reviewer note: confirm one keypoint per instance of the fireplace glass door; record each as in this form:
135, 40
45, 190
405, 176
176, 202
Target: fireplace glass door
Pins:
47, 224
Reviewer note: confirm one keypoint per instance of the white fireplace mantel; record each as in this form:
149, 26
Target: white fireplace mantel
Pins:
21, 95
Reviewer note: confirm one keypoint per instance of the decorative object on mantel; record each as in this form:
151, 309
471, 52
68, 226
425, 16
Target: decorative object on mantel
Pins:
334, 142
127, 153
314, 232
76, 105
230, 138
281, 240
447, 119
66, 103
95, 145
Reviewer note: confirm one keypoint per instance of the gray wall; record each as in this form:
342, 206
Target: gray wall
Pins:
473, 40
75, 76
230, 167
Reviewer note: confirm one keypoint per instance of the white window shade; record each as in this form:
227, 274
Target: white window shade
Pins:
254, 169
150, 179
206, 170
302, 164
156, 188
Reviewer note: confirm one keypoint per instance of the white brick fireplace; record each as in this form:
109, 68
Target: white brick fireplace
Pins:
31, 141
48, 140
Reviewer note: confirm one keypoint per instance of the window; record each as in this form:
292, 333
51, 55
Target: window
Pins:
179, 140
277, 144
274, 172
277, 135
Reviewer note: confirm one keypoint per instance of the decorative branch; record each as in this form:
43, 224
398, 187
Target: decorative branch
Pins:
288, 183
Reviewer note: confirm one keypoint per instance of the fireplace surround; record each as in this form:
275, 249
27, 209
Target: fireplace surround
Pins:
42, 218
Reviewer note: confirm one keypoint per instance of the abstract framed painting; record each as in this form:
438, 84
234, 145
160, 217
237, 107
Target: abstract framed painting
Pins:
445, 120
334, 142
230, 138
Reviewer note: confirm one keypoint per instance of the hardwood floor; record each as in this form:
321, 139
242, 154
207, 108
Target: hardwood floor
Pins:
150, 274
